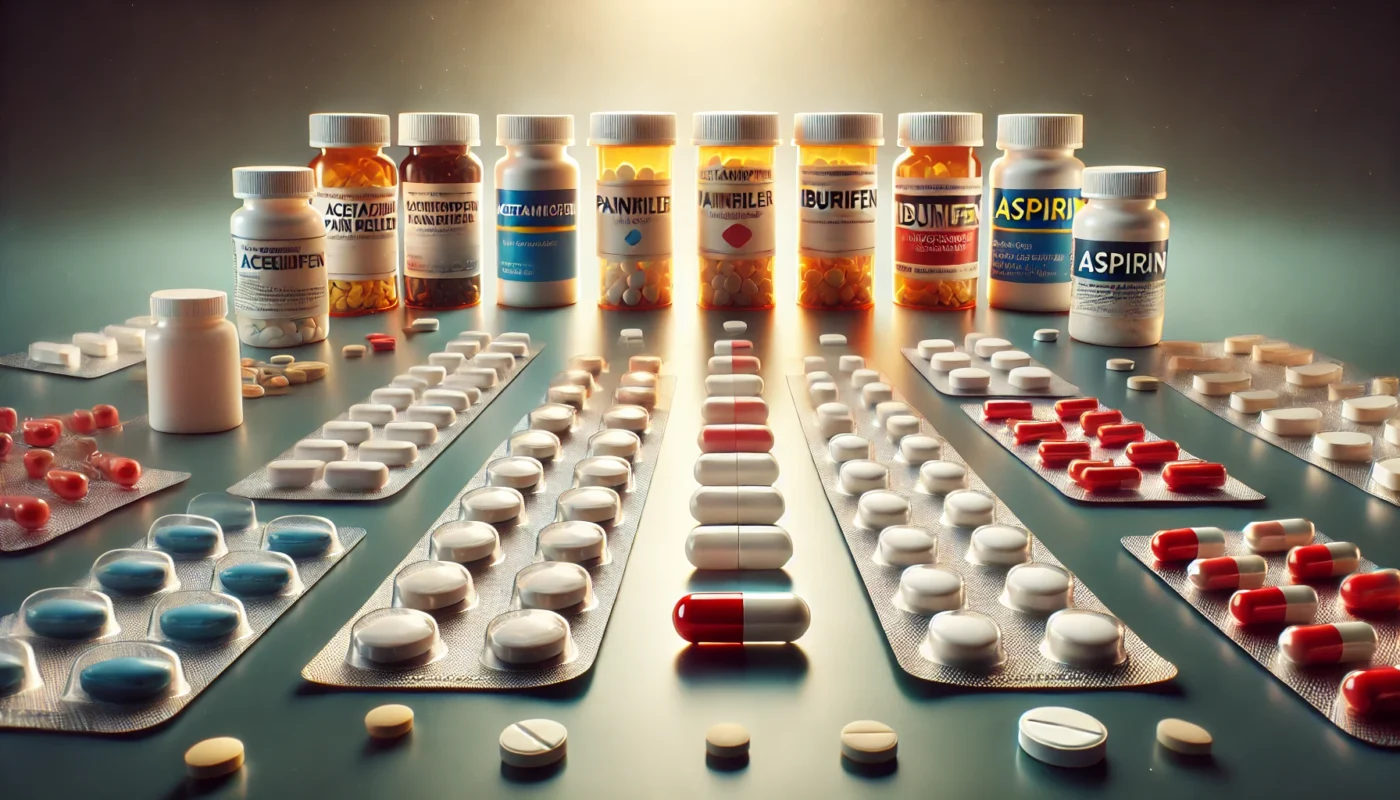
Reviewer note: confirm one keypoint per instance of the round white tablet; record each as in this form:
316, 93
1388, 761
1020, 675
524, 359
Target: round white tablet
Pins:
873, 394
1038, 588
1316, 374
917, 448
1370, 409
574, 541
735, 326
1062, 737
1083, 638
989, 345
533, 743
964, 638
929, 589
610, 471
890, 408
834, 418
1254, 401
593, 365
941, 477
1010, 359
389, 453
928, 347
1219, 384
822, 392
627, 417
431, 585
536, 444
614, 442
552, 585
947, 362
1030, 378
971, 378
492, 504
517, 472
901, 426
1143, 383
419, 433
1386, 472
880, 509
1046, 334
1343, 445
1120, 364
294, 473
527, 636
862, 475
999, 545
1186, 738
394, 635
848, 447
861, 377
389, 721
590, 504
727, 740
464, 541
1302, 421
869, 742
968, 508
906, 545
850, 363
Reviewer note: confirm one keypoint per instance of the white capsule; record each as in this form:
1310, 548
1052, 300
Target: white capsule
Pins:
465, 348
1253, 402
733, 385
736, 505
476, 377
736, 469
738, 547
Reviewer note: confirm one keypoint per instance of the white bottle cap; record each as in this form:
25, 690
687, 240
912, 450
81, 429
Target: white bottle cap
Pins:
534, 129
736, 129
269, 182
189, 304
1040, 130
940, 128
349, 130
838, 128
428, 128
639, 128
1125, 183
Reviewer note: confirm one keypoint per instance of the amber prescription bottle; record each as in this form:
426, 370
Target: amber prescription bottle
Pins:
735, 220
357, 195
937, 200
441, 210
634, 207
836, 199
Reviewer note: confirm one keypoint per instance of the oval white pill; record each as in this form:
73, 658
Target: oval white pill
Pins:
733, 385
448, 398
610, 471
527, 636
492, 504
942, 477
517, 472
553, 417
466, 349
566, 394
971, 378
824, 392
738, 547
438, 416
373, 413
901, 426
552, 585
1038, 588
1120, 364
834, 418
590, 504
397, 396
1370, 409
1291, 421
1317, 374
1243, 344
736, 469
348, 431
450, 362
736, 505
999, 545
848, 447
850, 363
1219, 384
533, 743
860, 377
929, 589
573, 541
517, 349
968, 508
96, 345
873, 394
391, 636
356, 476
947, 362
735, 326
906, 545
880, 509
964, 638
581, 378
478, 377
420, 433
1062, 737
614, 442
1046, 334
431, 585
1392, 431
1083, 638
464, 541
831, 339
321, 450
1343, 445
1010, 359
813, 364
456, 382
627, 417
890, 408
1254, 401
536, 444
294, 473
917, 448
861, 475
869, 742
1386, 472
429, 374
988, 346
1184, 737
1030, 378
928, 347
502, 363
388, 452
481, 338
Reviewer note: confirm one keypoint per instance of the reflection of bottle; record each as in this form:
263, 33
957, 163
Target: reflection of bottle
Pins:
734, 182
441, 210
1120, 258
937, 203
536, 212
837, 189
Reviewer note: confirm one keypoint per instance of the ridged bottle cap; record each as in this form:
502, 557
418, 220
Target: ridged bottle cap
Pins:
843, 127
1125, 183
535, 129
189, 304
736, 129
639, 128
270, 182
1040, 130
418, 129
349, 130
940, 129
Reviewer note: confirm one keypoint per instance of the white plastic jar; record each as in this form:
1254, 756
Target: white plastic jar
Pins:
279, 258
1120, 258
536, 212
193, 380
1035, 193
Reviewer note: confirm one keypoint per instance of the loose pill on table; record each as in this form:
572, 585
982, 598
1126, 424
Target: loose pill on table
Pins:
947, 362
727, 740
869, 742
134, 574
1279, 535
736, 617
1372, 691
421, 434
929, 589
1192, 476
740, 469
389, 721
733, 385
999, 545
1120, 364
214, 758
352, 351
127, 679
1030, 377
1029, 431
927, 348
1316, 562
969, 378
831, 339
527, 636
1062, 737
1185, 738
941, 477
1315, 374
1227, 572
1046, 334
63, 355
735, 326
1343, 445
1007, 409
1219, 384
1010, 359
1274, 605
968, 508
382, 345
1039, 588
1084, 638
1187, 544
1056, 454
1143, 383
356, 476
533, 743
1331, 643
67, 617
916, 449
906, 545
965, 638
282, 360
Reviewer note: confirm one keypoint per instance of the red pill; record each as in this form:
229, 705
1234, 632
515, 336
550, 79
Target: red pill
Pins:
1188, 544
41, 432
382, 345
30, 513
1373, 691
1027, 432
1274, 605
1332, 643
369, 337
106, 416
1059, 454
733, 347
1121, 434
1110, 479
82, 421
67, 484
1227, 572
735, 439
1007, 409
1074, 407
741, 617
1158, 452
1077, 467
1372, 592
124, 472
1316, 562
7, 443
9, 418
735, 365
37, 463
1184, 476
1091, 421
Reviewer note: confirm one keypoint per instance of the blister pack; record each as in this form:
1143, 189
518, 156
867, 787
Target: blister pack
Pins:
151, 625
964, 591
1093, 454
1321, 410
1312, 612
513, 585
87, 355
984, 366
376, 448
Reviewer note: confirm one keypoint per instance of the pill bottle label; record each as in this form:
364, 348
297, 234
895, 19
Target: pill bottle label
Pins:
1125, 280
634, 219
362, 239
441, 230
736, 216
1031, 234
279, 278
935, 227
836, 209
536, 234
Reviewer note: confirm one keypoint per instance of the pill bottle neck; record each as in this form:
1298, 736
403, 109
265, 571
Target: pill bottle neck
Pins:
276, 204
1125, 204
187, 323
440, 150
540, 151
361, 151
1040, 152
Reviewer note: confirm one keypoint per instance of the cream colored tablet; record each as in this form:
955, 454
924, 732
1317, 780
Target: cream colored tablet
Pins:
536, 444
905, 546
1372, 408
1047, 334
1199, 363
941, 477
947, 362
464, 541
1343, 445
1252, 402
1291, 421
968, 508
869, 742
1186, 738
534, 743
1038, 588
1179, 348
823, 392
1315, 374
614, 442
902, 425
420, 433
389, 721
970, 378
1244, 344
590, 504
813, 364
438, 416
1144, 383
1392, 430
735, 326
964, 638
552, 585
858, 476
850, 363
988, 346
929, 589
593, 365
1385, 384
573, 541
928, 347
431, 585
492, 504
1345, 391
1010, 359
727, 740
644, 397
528, 636
628, 417
574, 377
880, 509
321, 450
650, 364
615, 473
1219, 384
214, 758
1120, 364
874, 393
450, 398
1000, 545
517, 472
1386, 472
646, 380
553, 417
831, 339
1029, 377
373, 413
356, 476
294, 473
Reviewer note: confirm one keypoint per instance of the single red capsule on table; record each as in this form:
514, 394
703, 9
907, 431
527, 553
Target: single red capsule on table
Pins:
369, 337
741, 617
1227, 572
82, 421
106, 416
30, 513
1274, 605
41, 432
124, 472
67, 484
7, 443
1027, 432
1091, 421
1372, 691
1121, 434
1369, 593
735, 439
1059, 454
1187, 544
1007, 409
1076, 467
1316, 562
1158, 452
37, 463
382, 345
1182, 476
1109, 479
1332, 643
9, 419
1073, 408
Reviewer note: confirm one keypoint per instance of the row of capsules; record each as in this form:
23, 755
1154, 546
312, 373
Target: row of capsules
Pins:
737, 508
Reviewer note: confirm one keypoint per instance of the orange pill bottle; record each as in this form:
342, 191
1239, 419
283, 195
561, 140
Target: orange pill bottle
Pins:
837, 190
357, 196
734, 203
937, 205
633, 201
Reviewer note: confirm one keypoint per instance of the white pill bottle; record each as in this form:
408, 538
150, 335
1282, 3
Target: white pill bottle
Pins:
536, 212
279, 258
193, 378
1120, 258
1035, 194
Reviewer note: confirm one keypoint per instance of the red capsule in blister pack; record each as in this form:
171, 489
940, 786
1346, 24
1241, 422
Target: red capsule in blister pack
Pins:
1158, 452
1007, 409
7, 443
106, 416
1074, 407
1227, 572
41, 432
1059, 454
1076, 467
9, 419
1317, 562
1187, 544
30, 513
82, 421
1332, 643
1091, 421
1121, 434
37, 463
1370, 593
1027, 432
1185, 476
124, 472
1274, 605
67, 484
1373, 691
1110, 479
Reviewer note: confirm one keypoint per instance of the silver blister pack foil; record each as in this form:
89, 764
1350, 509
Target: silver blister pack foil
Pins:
1153, 488
463, 634
1318, 685
258, 487
1025, 667
44, 708
88, 366
1272, 376
999, 387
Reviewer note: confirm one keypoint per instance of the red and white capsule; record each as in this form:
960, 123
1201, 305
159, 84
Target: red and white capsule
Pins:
1227, 572
1007, 409
735, 439
1316, 562
1187, 544
1027, 432
1158, 452
1091, 421
1274, 605
734, 365
733, 347
1373, 691
1074, 407
734, 411
1059, 454
1187, 476
741, 617
1278, 535
1332, 643
1121, 433
1370, 593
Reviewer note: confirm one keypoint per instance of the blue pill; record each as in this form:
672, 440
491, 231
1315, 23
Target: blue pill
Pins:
256, 578
303, 543
132, 575
66, 618
130, 679
11, 674
187, 540
199, 622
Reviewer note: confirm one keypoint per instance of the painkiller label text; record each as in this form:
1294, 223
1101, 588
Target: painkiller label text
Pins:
362, 239
735, 212
836, 209
1124, 280
935, 227
441, 230
1031, 232
279, 278
634, 219
536, 234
